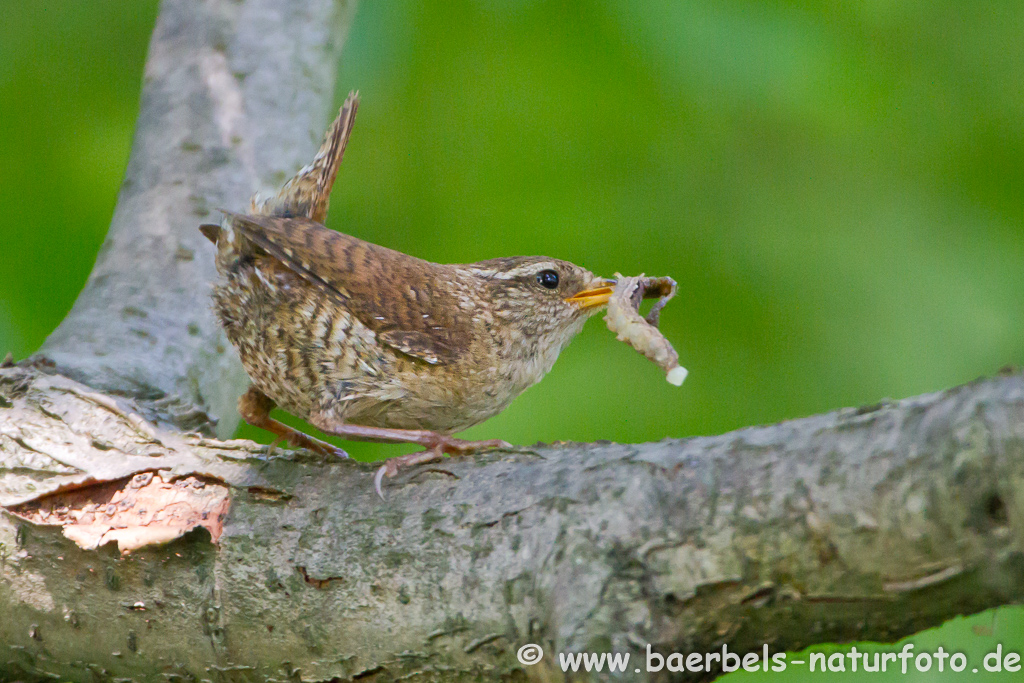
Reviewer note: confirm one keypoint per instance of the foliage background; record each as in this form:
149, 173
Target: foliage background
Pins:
837, 187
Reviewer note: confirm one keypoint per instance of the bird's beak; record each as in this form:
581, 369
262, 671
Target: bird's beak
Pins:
593, 297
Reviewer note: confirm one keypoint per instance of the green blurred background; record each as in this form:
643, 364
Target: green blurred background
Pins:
838, 188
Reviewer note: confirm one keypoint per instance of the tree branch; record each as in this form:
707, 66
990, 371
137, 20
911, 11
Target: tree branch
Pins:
235, 99
861, 524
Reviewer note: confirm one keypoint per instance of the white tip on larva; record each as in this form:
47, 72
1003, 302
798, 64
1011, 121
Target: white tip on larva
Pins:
676, 375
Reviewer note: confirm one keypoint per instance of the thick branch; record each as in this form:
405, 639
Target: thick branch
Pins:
867, 524
235, 99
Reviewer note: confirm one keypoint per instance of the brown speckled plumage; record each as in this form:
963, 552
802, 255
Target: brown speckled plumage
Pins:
370, 336
343, 332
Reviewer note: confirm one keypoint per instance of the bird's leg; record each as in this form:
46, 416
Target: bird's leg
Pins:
436, 444
254, 406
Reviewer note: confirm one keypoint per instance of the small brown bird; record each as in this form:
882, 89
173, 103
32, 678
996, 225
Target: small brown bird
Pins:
367, 343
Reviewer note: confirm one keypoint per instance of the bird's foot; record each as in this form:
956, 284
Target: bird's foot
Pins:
297, 439
437, 446
254, 406
301, 440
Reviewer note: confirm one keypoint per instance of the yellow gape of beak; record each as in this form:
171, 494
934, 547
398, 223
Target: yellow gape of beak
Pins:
590, 298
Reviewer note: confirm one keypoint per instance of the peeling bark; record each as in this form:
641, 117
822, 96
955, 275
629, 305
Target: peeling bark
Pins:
147, 509
860, 524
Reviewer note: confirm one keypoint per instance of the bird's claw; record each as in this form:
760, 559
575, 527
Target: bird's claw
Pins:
338, 452
447, 444
435, 451
378, 478
391, 465
328, 450
319, 447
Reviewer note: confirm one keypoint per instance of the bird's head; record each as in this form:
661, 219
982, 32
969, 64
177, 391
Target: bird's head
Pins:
539, 299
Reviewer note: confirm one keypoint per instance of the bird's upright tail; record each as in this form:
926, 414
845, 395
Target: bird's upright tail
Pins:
307, 194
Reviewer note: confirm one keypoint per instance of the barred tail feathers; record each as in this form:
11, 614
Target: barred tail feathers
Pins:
307, 194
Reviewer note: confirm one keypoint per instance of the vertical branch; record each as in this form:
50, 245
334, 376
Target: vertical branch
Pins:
235, 97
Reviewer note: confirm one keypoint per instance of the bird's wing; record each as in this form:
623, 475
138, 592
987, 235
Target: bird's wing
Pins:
401, 298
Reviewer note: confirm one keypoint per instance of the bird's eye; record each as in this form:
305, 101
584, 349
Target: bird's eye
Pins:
547, 279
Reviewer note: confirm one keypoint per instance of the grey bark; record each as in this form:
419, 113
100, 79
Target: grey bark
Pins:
236, 98
867, 524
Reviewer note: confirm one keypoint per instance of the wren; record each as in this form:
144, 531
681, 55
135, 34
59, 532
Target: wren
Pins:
370, 344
